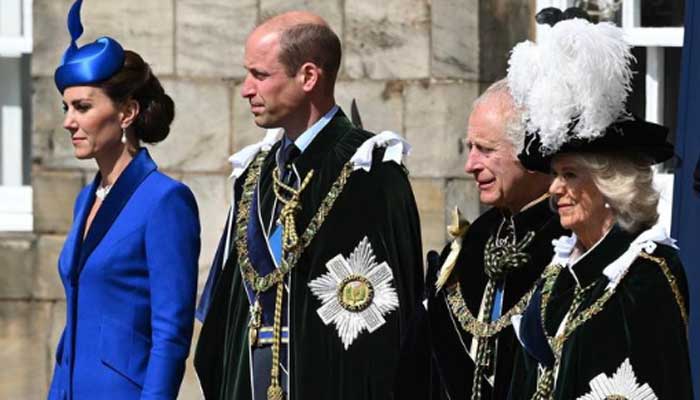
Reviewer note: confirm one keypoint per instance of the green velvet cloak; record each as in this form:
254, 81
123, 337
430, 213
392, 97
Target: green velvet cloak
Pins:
453, 367
382, 365
641, 321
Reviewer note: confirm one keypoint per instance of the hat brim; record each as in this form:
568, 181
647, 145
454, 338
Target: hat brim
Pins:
634, 137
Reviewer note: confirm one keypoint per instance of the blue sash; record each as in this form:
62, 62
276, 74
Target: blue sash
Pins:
532, 333
262, 261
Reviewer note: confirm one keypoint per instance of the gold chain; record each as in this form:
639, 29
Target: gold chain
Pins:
471, 324
500, 255
255, 322
291, 249
482, 361
545, 380
263, 283
545, 384
482, 330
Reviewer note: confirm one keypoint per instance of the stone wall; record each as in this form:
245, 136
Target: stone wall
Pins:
414, 67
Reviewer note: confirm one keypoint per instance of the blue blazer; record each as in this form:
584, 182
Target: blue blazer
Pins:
130, 289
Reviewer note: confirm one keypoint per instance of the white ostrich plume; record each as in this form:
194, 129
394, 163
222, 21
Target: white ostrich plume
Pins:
577, 71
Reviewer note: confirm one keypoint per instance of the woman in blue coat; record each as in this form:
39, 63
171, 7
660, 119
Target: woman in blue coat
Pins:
129, 263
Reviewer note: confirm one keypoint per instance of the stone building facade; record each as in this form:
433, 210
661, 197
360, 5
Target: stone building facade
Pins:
414, 67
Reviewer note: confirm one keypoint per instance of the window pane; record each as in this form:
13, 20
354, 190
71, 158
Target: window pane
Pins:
653, 13
636, 102
14, 120
673, 84
662, 12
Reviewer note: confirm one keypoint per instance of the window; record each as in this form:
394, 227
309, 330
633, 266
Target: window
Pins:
655, 29
15, 50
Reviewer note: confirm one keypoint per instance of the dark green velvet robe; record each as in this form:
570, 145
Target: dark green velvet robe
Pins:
453, 367
381, 365
641, 321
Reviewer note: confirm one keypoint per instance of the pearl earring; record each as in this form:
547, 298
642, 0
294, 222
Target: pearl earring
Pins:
124, 135
607, 205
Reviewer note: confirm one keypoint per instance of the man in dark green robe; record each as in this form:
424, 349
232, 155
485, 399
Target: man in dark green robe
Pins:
346, 326
481, 278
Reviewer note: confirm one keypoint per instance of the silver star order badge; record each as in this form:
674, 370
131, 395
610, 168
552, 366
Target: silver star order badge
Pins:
356, 293
621, 386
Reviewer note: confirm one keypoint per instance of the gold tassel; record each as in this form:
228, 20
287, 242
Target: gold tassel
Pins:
459, 224
290, 241
456, 229
291, 205
274, 391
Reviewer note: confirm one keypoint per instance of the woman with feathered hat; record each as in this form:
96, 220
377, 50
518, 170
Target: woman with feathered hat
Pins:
129, 263
609, 317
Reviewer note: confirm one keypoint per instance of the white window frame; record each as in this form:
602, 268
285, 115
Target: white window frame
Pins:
656, 40
15, 27
16, 213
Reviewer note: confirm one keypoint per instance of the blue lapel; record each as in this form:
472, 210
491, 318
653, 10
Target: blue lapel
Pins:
129, 180
75, 238
532, 333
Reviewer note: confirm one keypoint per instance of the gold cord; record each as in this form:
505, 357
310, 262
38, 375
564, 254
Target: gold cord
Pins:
274, 391
292, 205
290, 241
291, 253
263, 283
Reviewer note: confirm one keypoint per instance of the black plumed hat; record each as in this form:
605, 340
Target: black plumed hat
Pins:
633, 137
571, 88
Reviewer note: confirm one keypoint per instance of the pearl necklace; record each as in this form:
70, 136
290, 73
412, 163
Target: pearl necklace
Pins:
103, 191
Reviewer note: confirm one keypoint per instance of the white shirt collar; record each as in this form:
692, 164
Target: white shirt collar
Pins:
305, 139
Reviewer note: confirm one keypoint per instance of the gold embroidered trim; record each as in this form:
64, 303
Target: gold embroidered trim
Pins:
570, 326
289, 261
671, 282
545, 377
291, 252
471, 324
545, 380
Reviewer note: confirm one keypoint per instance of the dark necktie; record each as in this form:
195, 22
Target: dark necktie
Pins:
286, 170
289, 154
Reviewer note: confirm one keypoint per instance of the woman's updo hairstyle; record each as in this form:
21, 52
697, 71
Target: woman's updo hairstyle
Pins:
135, 80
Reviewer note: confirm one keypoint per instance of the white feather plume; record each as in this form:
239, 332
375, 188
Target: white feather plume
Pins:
578, 70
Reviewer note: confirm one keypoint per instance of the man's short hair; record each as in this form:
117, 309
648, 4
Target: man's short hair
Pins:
314, 43
499, 94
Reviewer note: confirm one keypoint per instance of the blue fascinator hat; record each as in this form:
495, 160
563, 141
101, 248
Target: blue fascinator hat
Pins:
92, 63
